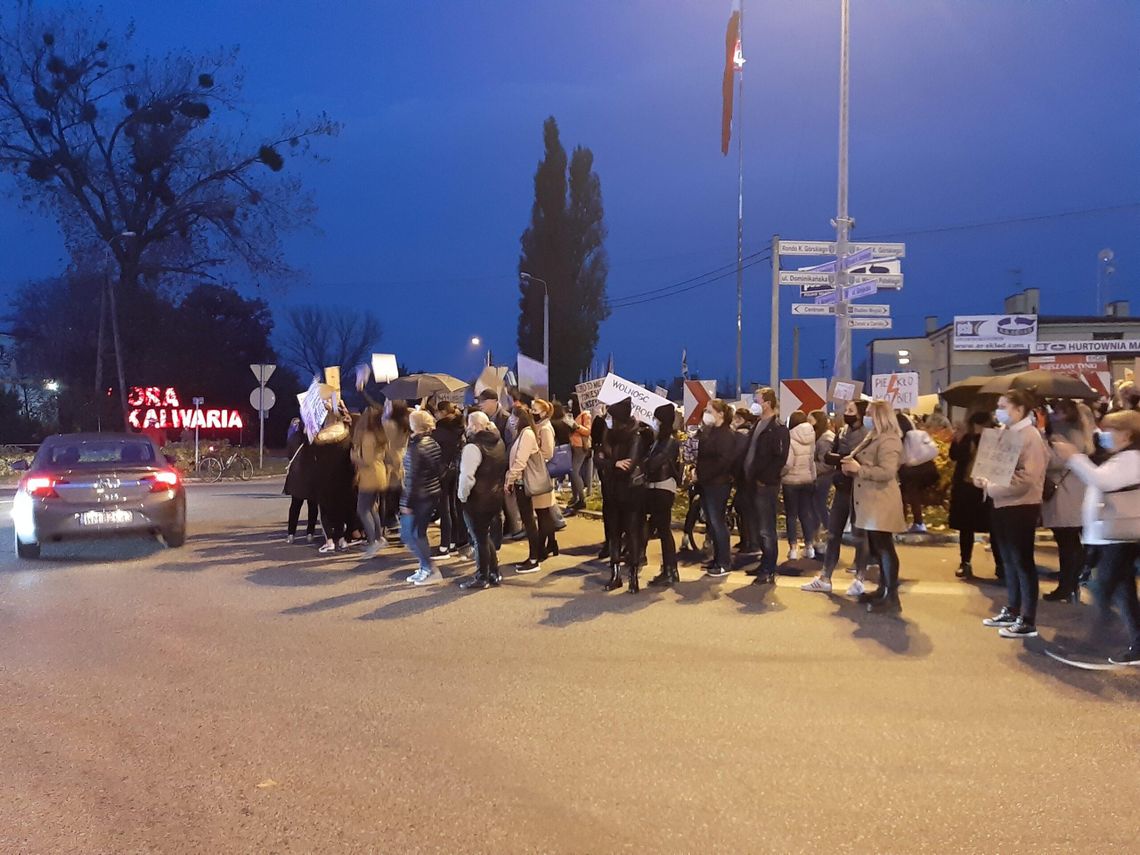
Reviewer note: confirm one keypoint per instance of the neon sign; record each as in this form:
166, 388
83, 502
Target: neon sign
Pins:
158, 407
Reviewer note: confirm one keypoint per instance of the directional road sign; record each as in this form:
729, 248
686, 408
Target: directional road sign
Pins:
893, 281
807, 247
854, 292
853, 259
868, 310
812, 309
869, 323
805, 277
881, 250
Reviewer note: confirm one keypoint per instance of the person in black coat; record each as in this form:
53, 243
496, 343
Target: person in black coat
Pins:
717, 453
448, 434
597, 441
969, 508
662, 477
334, 483
764, 466
624, 451
299, 484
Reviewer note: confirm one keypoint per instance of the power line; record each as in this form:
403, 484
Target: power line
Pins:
720, 269
628, 303
1006, 222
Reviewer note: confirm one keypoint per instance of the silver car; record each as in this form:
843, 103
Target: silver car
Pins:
97, 485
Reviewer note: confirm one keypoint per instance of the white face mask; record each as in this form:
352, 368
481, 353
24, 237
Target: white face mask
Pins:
868, 423
655, 424
610, 422
1003, 417
1106, 441
756, 409
709, 419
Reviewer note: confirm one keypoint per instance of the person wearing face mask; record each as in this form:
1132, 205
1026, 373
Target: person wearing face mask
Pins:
601, 424
842, 505
1111, 514
763, 467
799, 485
1064, 497
528, 479
969, 508
744, 494
625, 449
543, 412
662, 476
482, 470
1017, 507
824, 476
717, 452
874, 466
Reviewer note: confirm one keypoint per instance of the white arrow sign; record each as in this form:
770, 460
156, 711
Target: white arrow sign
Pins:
804, 277
852, 260
263, 372
807, 247
815, 290
881, 250
893, 281
869, 310
869, 323
852, 293
812, 309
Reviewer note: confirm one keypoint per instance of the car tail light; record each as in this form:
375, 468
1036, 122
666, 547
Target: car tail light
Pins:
164, 479
40, 487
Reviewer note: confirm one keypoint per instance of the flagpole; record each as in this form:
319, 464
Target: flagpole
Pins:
740, 213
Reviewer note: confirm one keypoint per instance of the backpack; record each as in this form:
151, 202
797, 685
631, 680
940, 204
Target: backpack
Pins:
918, 448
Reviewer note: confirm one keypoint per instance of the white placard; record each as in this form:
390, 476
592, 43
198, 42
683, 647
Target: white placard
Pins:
616, 388
900, 390
384, 368
869, 310
995, 332
997, 455
588, 393
533, 378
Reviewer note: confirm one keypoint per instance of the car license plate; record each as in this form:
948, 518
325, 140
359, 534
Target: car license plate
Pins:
106, 518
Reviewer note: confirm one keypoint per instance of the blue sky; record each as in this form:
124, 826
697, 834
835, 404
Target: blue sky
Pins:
962, 111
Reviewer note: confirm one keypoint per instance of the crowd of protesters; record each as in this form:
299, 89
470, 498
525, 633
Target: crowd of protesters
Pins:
490, 474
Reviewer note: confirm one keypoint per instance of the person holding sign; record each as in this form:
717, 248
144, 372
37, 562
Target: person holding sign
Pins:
874, 466
624, 452
717, 451
1017, 507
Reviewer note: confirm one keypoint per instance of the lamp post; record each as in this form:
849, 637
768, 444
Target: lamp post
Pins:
1104, 269
526, 277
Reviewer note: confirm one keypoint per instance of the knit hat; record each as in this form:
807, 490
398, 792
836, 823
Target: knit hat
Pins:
665, 414
622, 410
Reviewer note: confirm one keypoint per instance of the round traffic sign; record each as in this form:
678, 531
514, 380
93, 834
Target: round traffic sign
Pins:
262, 399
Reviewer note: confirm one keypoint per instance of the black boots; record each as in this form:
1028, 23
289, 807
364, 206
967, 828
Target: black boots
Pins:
480, 581
1060, 595
615, 578
667, 576
634, 581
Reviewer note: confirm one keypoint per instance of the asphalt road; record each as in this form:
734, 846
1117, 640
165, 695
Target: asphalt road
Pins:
241, 695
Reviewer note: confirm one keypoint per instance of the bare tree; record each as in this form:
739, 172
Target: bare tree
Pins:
146, 165
316, 338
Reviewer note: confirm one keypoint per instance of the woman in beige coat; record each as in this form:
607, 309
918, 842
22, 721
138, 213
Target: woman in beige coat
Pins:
1061, 509
874, 466
530, 482
369, 450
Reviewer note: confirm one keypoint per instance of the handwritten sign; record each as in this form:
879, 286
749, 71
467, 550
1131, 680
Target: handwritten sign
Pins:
588, 393
843, 391
900, 390
616, 388
997, 455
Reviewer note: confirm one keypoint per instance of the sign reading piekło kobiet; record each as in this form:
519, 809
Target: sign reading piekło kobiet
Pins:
159, 407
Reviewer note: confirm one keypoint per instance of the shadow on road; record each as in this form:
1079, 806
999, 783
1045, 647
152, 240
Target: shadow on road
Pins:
1108, 686
891, 631
55, 556
592, 602
757, 599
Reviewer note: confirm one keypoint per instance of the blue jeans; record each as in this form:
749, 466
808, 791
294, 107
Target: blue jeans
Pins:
799, 504
765, 499
715, 499
413, 531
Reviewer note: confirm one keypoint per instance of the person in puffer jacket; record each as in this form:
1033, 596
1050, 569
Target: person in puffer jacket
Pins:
799, 485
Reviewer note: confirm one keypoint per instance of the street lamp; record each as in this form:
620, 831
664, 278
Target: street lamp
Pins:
476, 341
526, 277
1103, 271
51, 386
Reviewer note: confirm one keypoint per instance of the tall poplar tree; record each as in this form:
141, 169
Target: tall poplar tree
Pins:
564, 246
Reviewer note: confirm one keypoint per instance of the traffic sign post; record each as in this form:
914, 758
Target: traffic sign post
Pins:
198, 402
812, 309
868, 323
262, 400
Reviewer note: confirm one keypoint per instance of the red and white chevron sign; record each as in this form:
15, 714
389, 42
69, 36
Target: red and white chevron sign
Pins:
698, 393
806, 395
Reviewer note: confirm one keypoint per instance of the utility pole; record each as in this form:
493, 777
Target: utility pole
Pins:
740, 210
842, 221
796, 352
774, 343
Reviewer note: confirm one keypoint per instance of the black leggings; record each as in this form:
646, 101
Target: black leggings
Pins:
1014, 530
539, 525
1070, 558
881, 546
659, 504
626, 521
295, 515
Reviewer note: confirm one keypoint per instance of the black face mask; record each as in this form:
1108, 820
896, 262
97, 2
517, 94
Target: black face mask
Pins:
851, 420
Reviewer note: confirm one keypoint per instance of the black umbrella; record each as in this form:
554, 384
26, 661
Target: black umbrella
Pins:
965, 392
1044, 384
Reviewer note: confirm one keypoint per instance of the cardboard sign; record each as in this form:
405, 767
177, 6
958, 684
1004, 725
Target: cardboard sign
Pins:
313, 411
492, 377
842, 391
588, 393
804, 395
332, 376
899, 390
533, 378
616, 388
997, 455
698, 393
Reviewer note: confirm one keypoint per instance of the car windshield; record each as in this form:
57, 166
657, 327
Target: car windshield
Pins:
69, 453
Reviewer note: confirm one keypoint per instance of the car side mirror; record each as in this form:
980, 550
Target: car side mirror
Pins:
19, 466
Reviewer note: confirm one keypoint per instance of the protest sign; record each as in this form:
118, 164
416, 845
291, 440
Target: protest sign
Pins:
384, 368
900, 390
615, 389
332, 376
997, 455
588, 393
698, 393
533, 378
313, 410
491, 377
842, 391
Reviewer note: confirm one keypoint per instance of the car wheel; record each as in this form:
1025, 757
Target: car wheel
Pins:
175, 537
30, 551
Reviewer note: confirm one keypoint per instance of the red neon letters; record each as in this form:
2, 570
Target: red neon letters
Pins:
156, 407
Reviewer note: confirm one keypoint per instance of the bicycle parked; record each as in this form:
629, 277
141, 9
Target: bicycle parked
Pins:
213, 467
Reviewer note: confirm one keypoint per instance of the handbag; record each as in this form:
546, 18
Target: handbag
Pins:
918, 448
331, 434
1051, 487
560, 464
537, 482
1120, 515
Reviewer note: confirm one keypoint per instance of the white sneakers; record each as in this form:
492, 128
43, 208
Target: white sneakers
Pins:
796, 552
856, 588
420, 579
818, 584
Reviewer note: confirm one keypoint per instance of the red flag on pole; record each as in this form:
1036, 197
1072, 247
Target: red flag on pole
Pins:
733, 62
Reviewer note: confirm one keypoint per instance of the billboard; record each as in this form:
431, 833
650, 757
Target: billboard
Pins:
994, 332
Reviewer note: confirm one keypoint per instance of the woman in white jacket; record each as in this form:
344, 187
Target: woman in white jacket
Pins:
799, 485
1116, 572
